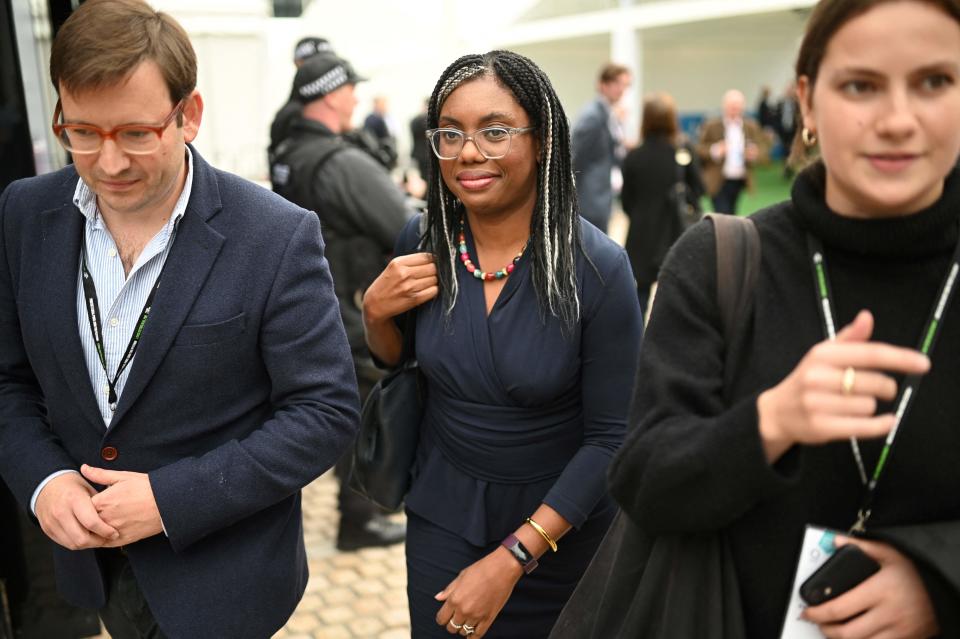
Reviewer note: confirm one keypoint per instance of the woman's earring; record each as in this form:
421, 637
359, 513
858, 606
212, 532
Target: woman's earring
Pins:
809, 137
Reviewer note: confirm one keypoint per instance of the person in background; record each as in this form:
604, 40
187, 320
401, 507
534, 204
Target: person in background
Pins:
729, 148
766, 110
598, 146
376, 121
420, 148
661, 179
377, 134
305, 49
173, 370
843, 406
361, 212
788, 115
527, 329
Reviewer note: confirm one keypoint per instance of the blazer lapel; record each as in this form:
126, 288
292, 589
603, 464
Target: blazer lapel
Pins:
60, 257
195, 249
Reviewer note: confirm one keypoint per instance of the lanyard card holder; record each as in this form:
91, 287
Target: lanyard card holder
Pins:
817, 547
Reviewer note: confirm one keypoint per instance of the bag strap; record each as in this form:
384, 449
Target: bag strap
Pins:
409, 331
738, 266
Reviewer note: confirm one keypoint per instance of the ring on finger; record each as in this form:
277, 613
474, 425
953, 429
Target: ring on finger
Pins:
468, 630
849, 377
455, 625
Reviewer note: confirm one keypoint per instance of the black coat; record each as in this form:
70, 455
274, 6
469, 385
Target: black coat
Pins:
692, 465
650, 173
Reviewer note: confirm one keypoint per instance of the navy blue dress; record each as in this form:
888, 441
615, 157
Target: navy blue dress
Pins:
519, 412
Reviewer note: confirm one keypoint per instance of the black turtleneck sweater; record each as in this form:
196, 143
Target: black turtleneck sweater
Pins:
694, 462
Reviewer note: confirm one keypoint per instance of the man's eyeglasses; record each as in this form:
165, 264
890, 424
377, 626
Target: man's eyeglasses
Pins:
135, 139
493, 142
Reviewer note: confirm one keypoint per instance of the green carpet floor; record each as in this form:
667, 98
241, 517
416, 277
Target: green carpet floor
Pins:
769, 187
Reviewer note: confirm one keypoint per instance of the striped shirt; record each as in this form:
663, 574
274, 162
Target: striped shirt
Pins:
120, 297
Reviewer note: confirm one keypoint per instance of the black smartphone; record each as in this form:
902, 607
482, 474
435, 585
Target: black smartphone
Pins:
846, 568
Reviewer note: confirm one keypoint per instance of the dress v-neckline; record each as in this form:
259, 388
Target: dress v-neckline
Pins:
477, 287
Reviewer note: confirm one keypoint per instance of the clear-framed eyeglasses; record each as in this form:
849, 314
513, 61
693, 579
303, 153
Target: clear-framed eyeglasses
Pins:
135, 139
493, 142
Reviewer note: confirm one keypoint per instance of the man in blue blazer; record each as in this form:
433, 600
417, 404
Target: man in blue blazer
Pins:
597, 144
173, 368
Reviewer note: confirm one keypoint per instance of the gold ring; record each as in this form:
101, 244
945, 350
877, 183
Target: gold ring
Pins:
468, 630
458, 626
849, 377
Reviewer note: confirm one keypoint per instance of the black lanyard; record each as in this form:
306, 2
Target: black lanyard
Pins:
909, 387
93, 315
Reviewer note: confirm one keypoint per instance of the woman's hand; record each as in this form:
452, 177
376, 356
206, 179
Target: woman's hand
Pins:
892, 604
408, 281
832, 394
478, 594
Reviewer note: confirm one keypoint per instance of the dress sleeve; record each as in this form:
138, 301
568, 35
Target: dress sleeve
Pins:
690, 461
610, 341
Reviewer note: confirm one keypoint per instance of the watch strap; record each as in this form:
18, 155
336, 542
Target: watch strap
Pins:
520, 553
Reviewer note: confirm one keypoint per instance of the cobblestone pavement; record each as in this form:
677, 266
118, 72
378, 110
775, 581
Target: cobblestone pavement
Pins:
350, 594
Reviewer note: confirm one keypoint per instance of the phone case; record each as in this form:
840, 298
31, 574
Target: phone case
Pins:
848, 567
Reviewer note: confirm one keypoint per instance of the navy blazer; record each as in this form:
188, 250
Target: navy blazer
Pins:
242, 392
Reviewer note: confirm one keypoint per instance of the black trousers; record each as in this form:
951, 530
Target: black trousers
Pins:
725, 201
126, 614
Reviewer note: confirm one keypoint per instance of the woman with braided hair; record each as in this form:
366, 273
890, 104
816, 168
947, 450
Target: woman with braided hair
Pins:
527, 330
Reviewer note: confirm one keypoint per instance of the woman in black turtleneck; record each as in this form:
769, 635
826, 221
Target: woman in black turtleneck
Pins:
879, 86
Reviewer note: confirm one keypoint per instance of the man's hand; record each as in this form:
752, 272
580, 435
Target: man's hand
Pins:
127, 504
893, 603
68, 516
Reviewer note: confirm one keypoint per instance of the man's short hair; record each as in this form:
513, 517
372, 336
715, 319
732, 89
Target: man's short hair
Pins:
612, 71
104, 41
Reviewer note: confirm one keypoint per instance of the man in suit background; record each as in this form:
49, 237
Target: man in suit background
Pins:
173, 367
729, 148
598, 147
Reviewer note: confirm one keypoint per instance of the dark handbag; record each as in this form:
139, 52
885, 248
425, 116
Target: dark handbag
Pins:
389, 433
687, 208
390, 419
674, 586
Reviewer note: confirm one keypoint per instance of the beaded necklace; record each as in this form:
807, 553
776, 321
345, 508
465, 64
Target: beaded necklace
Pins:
472, 268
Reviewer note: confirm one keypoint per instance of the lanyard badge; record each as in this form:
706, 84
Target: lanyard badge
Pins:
96, 328
910, 385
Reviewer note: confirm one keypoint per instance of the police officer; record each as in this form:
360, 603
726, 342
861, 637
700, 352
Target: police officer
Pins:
361, 213
305, 49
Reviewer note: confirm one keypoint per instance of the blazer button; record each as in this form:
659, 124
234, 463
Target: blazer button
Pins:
109, 453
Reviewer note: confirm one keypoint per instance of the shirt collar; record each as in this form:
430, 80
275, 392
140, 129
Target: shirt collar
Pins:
86, 200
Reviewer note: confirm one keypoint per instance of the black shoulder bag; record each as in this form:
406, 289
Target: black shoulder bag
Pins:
390, 426
677, 586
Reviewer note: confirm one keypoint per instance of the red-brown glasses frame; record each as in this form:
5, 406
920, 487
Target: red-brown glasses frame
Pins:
59, 127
